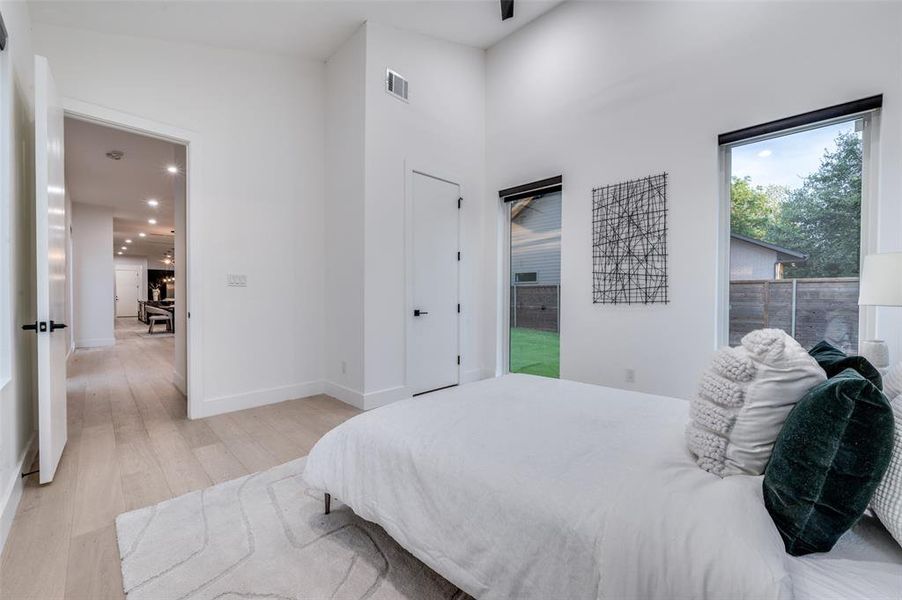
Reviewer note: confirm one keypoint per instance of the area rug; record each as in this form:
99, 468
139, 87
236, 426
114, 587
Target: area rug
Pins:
265, 536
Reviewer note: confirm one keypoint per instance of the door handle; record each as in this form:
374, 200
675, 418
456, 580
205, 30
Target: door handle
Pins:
54, 326
37, 327
419, 313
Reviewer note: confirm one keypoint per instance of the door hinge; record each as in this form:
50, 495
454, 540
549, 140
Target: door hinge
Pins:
458, 359
458, 256
459, 202
458, 307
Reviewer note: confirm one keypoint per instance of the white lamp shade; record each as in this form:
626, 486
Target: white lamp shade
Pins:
881, 280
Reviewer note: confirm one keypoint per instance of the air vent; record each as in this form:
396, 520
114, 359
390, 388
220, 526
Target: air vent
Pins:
395, 85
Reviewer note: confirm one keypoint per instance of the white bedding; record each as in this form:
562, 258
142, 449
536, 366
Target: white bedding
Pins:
527, 487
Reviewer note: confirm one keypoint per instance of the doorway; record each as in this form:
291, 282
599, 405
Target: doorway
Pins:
433, 359
127, 197
128, 287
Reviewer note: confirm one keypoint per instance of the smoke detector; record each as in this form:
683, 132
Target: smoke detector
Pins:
115, 154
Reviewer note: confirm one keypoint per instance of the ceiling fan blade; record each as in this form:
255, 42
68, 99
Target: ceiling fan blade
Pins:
507, 9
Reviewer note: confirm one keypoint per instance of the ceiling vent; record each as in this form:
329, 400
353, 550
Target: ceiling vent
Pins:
115, 154
395, 85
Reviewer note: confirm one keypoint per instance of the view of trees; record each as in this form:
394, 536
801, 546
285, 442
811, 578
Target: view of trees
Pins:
821, 218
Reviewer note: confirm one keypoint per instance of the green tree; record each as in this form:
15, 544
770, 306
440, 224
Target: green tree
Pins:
753, 211
822, 218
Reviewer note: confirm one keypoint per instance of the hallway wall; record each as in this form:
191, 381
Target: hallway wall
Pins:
94, 274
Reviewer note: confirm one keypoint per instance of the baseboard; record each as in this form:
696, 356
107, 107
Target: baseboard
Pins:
472, 375
226, 404
12, 490
379, 398
95, 342
178, 380
346, 395
367, 401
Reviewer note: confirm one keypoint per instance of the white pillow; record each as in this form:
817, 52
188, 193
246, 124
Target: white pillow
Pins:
892, 381
743, 401
887, 500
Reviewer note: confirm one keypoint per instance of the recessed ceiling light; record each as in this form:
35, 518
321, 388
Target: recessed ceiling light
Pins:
142, 234
119, 253
152, 221
152, 202
128, 241
166, 261
124, 248
172, 169
764, 153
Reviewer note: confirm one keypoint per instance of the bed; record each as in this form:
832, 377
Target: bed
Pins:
528, 487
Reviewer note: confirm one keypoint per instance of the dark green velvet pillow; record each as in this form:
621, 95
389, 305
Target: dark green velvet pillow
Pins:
833, 360
828, 459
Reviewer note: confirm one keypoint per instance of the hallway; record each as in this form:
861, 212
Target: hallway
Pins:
131, 445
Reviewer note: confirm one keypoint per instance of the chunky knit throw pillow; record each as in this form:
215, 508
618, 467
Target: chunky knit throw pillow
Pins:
887, 500
743, 399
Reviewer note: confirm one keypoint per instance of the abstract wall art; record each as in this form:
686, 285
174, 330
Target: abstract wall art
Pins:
629, 242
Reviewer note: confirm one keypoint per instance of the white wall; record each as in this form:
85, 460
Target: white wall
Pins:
94, 275
138, 263
372, 142
606, 92
441, 132
17, 285
344, 246
258, 120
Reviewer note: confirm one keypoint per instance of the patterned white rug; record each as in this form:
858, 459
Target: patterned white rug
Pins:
265, 536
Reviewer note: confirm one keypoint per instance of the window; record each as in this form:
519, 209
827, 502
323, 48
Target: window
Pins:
795, 236
534, 219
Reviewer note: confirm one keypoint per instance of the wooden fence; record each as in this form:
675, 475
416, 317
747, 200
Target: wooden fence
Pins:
808, 309
536, 307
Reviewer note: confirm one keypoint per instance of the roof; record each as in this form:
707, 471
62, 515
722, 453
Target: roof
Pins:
786, 254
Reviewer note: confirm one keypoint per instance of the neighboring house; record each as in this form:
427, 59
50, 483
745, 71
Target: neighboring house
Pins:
757, 259
536, 240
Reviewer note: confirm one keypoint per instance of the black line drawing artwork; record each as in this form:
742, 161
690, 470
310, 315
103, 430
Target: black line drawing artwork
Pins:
629, 242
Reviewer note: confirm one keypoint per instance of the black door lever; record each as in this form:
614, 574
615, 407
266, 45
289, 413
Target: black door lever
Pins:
418, 313
54, 326
36, 326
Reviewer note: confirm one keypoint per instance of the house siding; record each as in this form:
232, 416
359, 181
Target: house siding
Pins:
750, 261
536, 241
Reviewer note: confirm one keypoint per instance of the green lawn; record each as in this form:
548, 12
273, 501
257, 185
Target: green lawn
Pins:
535, 352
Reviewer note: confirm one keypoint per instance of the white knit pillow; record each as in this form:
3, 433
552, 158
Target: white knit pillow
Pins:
887, 500
743, 400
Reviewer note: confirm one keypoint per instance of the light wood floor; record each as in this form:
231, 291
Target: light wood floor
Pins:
130, 445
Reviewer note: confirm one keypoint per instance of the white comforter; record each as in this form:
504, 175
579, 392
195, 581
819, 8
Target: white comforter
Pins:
526, 487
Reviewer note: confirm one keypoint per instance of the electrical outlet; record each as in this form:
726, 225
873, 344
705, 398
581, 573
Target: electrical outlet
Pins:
630, 375
236, 280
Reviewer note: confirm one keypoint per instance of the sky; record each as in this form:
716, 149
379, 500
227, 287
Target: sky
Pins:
786, 160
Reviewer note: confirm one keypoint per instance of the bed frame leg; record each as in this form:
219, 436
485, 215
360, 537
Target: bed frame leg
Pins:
328, 501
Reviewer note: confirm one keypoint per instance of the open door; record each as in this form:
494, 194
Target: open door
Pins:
50, 263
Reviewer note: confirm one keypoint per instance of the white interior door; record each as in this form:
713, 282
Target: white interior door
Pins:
432, 348
50, 262
128, 282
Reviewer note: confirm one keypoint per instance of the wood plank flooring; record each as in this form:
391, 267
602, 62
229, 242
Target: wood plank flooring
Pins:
130, 445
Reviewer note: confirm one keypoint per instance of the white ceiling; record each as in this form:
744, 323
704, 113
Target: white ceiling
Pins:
125, 185
310, 28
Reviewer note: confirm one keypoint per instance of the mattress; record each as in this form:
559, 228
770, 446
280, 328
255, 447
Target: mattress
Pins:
531, 487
